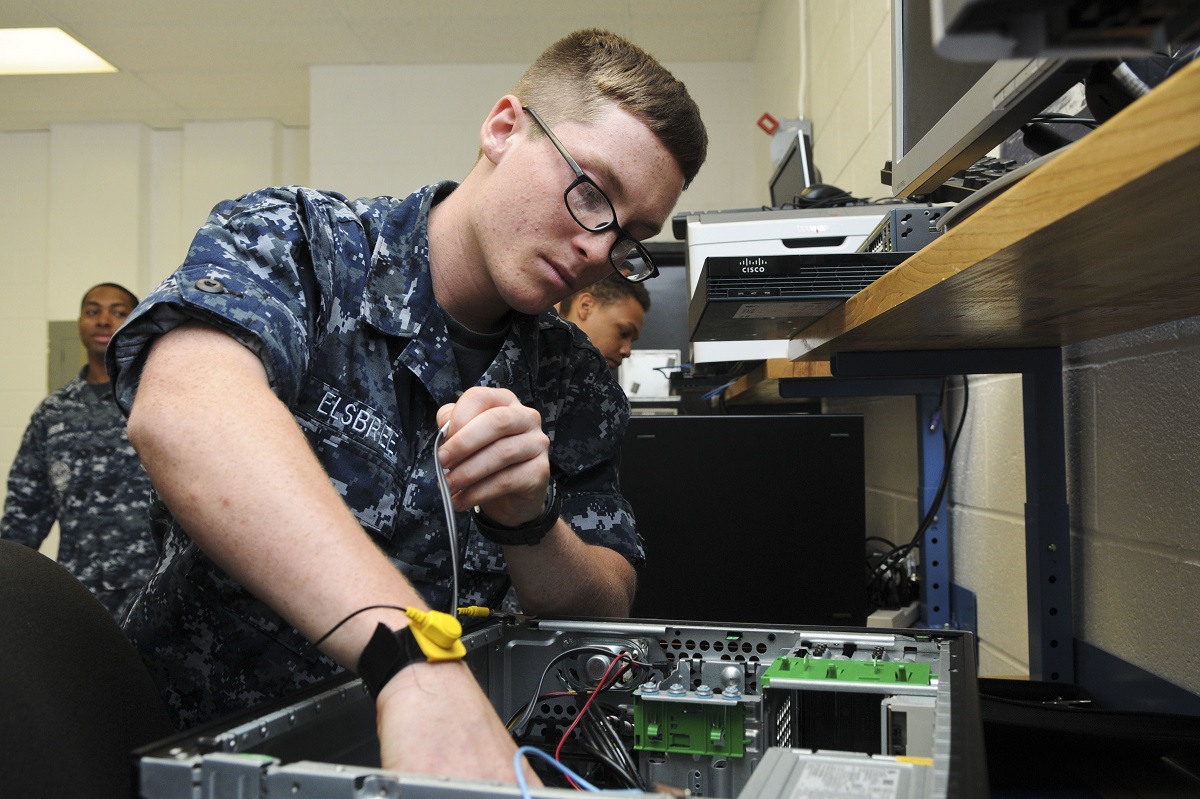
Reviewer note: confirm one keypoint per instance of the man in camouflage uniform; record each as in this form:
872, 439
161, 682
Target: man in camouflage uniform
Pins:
287, 384
76, 466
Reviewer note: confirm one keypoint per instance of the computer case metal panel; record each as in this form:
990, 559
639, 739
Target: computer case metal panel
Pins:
706, 685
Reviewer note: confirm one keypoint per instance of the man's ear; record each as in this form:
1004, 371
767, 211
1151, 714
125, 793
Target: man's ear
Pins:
584, 304
506, 119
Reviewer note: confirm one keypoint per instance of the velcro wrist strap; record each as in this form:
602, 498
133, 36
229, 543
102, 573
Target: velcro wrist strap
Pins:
386, 654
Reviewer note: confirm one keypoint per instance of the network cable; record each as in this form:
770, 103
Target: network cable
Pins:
448, 507
891, 560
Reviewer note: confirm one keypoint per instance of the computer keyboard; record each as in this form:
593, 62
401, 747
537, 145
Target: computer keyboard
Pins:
964, 183
992, 189
983, 172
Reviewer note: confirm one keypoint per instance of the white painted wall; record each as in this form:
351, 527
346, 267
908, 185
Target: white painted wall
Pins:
392, 129
779, 84
24, 276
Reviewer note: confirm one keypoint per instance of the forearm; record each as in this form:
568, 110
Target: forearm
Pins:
564, 575
235, 470
231, 464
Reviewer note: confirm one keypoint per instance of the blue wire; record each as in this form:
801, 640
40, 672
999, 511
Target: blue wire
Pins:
718, 390
571, 775
533, 750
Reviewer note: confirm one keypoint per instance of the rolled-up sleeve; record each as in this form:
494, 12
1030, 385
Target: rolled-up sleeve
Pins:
248, 273
589, 428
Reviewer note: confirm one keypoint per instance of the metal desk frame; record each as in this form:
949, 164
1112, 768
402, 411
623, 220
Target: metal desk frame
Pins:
1047, 518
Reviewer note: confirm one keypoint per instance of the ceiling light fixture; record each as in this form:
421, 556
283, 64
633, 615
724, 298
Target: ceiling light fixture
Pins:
46, 51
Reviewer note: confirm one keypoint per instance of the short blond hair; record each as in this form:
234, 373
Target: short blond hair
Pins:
575, 76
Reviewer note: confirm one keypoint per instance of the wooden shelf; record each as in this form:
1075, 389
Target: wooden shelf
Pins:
762, 385
1098, 241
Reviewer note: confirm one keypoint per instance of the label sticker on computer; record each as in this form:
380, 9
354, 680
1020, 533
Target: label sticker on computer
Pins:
867, 780
784, 310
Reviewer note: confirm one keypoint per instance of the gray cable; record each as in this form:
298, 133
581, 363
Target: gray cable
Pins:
451, 525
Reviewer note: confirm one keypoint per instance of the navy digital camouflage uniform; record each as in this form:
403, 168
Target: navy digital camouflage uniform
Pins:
335, 298
76, 466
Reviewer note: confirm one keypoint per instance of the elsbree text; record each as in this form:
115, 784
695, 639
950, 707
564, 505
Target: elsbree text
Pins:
360, 419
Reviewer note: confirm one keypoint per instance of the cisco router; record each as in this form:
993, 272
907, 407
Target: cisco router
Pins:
788, 239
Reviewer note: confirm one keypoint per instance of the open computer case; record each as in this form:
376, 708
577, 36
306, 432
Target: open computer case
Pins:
659, 707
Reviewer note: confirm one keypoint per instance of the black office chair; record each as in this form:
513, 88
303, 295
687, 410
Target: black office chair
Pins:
75, 698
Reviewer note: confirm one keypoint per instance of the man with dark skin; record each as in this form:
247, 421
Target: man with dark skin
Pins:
611, 314
77, 467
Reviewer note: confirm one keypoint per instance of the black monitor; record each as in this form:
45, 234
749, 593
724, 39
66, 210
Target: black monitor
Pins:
666, 325
795, 172
749, 518
946, 114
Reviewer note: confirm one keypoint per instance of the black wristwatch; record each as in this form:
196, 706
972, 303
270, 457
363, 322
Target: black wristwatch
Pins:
386, 654
529, 533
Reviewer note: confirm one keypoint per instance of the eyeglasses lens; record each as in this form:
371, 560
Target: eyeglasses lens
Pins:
630, 261
590, 208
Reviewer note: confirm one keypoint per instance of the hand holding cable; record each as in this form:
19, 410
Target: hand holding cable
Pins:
497, 460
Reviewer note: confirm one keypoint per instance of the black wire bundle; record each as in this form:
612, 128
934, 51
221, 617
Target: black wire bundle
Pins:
517, 725
894, 587
597, 734
887, 571
596, 731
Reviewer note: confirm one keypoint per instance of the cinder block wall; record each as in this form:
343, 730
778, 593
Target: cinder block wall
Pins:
1133, 435
850, 92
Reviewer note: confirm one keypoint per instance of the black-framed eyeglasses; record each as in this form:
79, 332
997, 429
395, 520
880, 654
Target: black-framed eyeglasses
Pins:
593, 211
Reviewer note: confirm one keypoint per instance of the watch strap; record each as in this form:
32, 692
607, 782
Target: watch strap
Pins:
527, 534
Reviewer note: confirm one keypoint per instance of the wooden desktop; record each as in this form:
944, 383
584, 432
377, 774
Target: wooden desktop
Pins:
1100, 240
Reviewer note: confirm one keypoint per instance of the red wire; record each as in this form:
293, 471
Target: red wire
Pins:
600, 686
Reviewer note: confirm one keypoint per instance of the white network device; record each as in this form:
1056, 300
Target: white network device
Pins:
773, 235
645, 374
